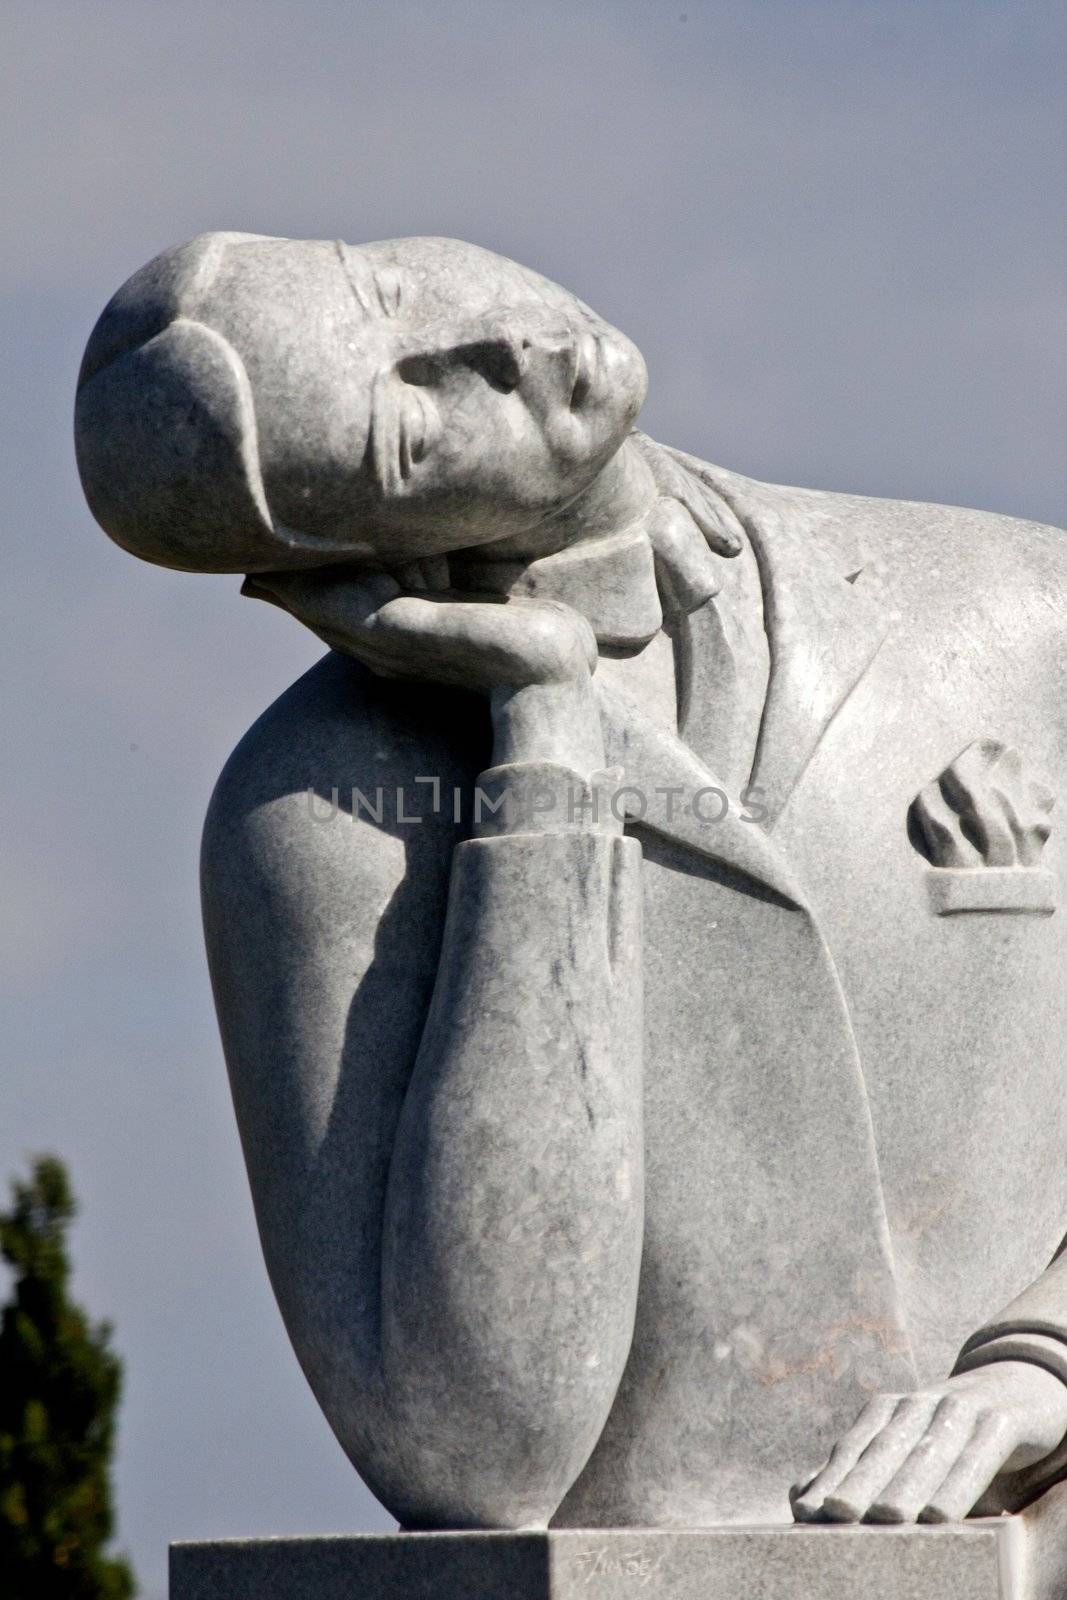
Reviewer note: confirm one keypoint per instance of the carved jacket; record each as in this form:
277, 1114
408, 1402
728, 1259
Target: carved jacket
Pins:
853, 999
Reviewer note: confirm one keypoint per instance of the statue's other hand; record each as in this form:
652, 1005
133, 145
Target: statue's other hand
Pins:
690, 526
469, 643
931, 1456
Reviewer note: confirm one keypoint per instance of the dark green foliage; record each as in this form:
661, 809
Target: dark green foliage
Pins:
59, 1389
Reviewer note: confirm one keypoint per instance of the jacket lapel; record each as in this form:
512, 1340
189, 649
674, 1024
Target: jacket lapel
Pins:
678, 797
824, 611
825, 620
769, 928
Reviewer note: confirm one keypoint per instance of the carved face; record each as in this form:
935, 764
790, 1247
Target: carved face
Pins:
250, 403
496, 396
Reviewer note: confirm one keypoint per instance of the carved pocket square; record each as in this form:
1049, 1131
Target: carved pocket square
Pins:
982, 825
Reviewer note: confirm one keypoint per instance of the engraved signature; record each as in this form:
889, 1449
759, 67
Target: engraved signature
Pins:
605, 1563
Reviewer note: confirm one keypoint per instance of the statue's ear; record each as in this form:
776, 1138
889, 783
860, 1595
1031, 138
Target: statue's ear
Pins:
166, 444
173, 284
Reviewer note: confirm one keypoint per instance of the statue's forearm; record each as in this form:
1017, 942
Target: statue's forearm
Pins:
514, 1213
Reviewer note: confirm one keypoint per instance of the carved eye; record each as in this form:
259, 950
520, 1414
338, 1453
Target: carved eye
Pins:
422, 371
495, 360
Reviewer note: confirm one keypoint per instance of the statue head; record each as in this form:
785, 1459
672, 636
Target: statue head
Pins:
249, 404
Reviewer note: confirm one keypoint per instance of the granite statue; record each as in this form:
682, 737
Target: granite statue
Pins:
637, 944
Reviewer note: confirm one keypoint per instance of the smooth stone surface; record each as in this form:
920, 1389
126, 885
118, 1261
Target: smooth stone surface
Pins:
604, 1180
949, 1563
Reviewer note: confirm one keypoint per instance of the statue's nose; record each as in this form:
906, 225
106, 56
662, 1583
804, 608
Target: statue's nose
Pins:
516, 343
534, 331
550, 353
535, 350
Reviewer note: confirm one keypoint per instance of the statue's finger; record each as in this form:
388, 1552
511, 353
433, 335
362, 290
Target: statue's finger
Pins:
807, 1502
411, 577
253, 589
436, 572
483, 645
716, 521
323, 598
686, 575
677, 476
880, 1462
429, 575
929, 1463
990, 1445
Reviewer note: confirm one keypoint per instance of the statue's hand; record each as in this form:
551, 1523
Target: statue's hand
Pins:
707, 510
475, 644
535, 657
689, 526
930, 1456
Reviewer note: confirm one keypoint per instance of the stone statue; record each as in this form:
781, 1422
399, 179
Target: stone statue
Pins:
635, 944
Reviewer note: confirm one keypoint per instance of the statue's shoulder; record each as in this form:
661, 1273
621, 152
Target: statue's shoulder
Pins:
325, 779
909, 527
929, 555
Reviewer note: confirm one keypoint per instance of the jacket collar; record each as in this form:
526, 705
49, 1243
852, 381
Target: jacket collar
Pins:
611, 581
824, 608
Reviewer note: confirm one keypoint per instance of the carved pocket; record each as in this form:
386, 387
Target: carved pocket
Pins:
982, 825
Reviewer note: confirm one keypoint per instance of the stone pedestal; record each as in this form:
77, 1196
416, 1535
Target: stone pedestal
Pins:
1016, 1558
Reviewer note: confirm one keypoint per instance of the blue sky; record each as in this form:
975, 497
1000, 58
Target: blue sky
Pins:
836, 229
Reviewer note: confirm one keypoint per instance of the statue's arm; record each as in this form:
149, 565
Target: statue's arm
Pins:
513, 1219
449, 1190
1032, 1328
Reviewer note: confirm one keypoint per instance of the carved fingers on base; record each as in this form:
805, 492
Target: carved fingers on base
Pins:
933, 1455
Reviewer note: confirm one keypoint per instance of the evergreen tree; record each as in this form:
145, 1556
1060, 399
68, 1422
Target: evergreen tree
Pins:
59, 1389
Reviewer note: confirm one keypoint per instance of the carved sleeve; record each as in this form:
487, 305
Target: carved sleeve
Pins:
514, 1211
